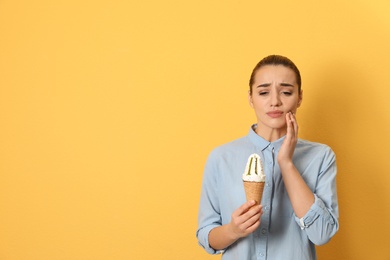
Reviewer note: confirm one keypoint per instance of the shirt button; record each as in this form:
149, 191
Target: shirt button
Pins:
266, 207
263, 231
267, 184
261, 254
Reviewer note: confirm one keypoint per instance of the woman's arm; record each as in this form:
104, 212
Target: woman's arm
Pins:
316, 213
301, 197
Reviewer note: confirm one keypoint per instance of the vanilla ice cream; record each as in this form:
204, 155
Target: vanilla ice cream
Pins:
254, 169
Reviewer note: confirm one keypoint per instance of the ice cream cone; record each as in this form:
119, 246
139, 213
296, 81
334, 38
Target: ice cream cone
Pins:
254, 178
254, 191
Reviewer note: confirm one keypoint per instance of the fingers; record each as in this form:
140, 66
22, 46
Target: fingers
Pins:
244, 207
246, 218
253, 223
292, 125
251, 219
287, 150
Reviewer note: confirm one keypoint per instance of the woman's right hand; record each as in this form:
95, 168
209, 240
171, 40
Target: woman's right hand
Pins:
245, 219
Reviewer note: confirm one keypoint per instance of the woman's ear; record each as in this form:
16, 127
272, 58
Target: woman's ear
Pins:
300, 98
250, 99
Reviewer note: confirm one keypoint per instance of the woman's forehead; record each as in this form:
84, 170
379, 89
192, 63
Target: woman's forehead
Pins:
275, 73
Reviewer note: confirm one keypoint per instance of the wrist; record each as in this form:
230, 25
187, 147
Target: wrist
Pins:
230, 232
286, 166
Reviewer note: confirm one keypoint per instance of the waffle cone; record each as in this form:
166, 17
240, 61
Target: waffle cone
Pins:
254, 191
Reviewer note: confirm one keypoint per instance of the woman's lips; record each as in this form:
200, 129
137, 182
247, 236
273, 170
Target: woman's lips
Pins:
275, 114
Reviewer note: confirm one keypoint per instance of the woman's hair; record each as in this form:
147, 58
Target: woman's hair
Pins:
276, 60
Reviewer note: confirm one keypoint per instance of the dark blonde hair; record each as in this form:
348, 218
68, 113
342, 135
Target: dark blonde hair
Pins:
276, 60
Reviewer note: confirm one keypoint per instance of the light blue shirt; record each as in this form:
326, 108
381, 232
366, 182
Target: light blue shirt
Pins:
281, 235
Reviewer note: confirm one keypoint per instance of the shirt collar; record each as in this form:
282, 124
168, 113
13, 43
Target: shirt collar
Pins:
260, 142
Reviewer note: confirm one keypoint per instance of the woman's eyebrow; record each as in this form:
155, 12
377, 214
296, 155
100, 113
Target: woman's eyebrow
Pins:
264, 85
286, 84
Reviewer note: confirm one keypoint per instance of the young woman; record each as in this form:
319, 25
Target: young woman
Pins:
299, 207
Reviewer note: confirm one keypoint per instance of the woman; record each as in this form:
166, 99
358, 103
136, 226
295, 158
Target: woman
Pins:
299, 207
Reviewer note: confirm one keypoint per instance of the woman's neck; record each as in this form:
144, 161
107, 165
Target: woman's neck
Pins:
272, 134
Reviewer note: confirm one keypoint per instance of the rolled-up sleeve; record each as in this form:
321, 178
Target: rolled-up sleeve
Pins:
209, 213
321, 221
203, 239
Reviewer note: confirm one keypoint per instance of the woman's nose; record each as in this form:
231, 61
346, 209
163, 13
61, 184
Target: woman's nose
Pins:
275, 99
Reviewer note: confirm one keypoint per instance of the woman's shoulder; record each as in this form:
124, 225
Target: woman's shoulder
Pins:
311, 146
235, 146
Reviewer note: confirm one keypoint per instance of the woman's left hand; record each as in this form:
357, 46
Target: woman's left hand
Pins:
287, 150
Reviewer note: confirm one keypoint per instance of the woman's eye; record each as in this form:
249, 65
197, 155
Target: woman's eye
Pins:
287, 93
263, 93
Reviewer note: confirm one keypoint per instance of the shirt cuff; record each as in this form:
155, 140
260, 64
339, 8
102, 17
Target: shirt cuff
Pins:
204, 242
318, 208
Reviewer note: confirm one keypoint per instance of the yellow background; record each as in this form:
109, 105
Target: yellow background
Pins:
98, 96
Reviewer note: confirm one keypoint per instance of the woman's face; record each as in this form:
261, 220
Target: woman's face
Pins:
274, 93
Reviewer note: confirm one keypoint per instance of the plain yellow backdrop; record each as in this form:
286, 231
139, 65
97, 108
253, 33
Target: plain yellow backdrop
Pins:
108, 110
